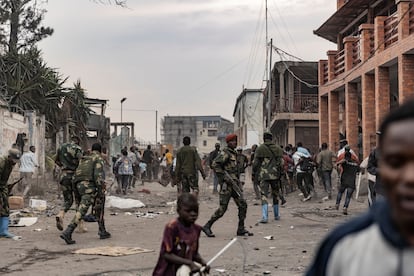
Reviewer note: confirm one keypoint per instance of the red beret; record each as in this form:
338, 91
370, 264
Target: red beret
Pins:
231, 137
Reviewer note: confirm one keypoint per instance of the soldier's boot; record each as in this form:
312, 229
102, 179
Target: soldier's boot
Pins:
264, 213
103, 234
59, 220
81, 227
241, 230
207, 229
276, 211
67, 234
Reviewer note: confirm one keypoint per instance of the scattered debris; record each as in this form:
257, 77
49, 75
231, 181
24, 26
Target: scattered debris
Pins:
292, 227
145, 191
123, 203
221, 270
267, 272
113, 251
268, 238
38, 204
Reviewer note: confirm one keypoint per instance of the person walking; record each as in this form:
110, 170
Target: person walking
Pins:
304, 179
242, 164
256, 184
148, 157
28, 163
90, 183
325, 160
187, 166
225, 167
7, 164
268, 167
124, 167
211, 158
67, 158
348, 171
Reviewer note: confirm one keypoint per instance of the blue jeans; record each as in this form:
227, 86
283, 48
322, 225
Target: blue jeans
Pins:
349, 192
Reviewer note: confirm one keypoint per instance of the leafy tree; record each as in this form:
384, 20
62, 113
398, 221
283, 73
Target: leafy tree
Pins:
26, 83
20, 24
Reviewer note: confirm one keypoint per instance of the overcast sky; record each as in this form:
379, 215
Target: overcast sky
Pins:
180, 57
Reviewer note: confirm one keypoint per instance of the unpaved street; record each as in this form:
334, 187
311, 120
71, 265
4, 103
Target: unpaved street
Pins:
295, 237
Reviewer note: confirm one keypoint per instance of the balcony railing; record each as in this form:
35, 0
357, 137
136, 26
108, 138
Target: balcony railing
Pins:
299, 104
390, 30
340, 63
356, 52
363, 46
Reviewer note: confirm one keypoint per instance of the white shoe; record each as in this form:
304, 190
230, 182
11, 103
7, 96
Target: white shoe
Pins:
325, 198
301, 194
307, 198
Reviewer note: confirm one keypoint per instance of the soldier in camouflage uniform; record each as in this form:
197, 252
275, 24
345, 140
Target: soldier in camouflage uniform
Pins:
91, 186
225, 166
187, 167
7, 164
67, 158
268, 166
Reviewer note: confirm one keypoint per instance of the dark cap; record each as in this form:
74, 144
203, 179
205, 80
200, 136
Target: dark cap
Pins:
267, 135
14, 154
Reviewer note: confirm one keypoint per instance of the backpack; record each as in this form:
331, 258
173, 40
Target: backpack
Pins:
306, 164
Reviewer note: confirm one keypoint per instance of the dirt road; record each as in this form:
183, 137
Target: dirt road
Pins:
295, 237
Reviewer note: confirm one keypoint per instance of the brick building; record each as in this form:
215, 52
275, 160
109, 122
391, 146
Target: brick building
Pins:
370, 72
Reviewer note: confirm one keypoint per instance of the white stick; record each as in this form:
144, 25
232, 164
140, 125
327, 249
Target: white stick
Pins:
219, 253
358, 185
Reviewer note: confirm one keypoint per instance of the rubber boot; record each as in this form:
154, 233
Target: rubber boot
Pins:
103, 234
4, 229
276, 211
81, 227
59, 220
264, 213
67, 234
207, 230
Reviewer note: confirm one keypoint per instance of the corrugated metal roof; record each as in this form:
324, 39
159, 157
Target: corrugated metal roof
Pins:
342, 18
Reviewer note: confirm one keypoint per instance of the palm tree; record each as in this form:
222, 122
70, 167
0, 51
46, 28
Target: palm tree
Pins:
75, 111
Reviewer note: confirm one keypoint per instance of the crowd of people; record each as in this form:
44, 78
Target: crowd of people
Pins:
275, 171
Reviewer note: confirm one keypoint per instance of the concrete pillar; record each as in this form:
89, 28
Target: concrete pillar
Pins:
290, 93
351, 111
282, 89
323, 120
368, 117
366, 38
333, 119
291, 132
405, 77
382, 94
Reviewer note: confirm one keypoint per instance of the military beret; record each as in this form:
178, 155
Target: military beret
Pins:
231, 137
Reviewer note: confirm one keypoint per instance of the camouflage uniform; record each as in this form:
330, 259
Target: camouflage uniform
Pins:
227, 161
67, 158
6, 168
89, 182
188, 165
268, 166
